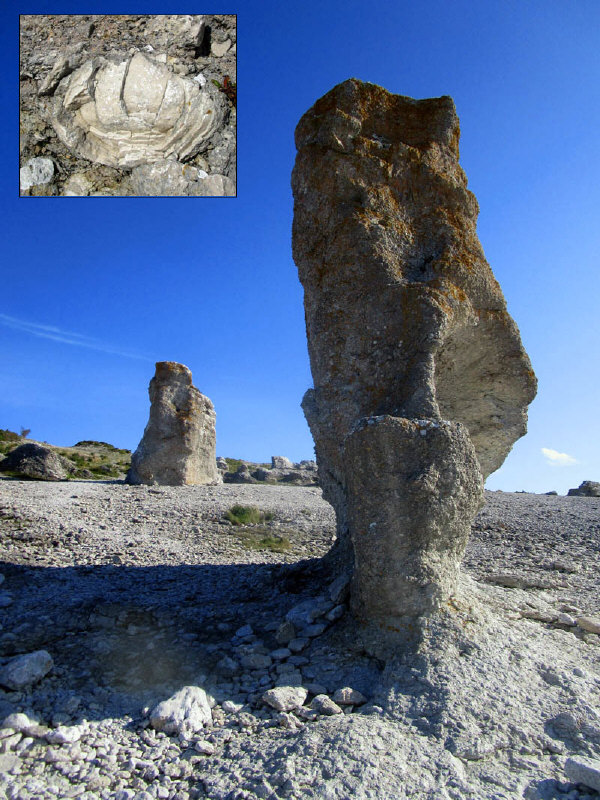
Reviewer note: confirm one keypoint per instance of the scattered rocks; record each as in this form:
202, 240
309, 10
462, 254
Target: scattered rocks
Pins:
37, 462
185, 713
421, 383
24, 671
178, 446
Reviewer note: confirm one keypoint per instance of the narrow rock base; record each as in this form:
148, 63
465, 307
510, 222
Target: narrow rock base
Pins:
413, 487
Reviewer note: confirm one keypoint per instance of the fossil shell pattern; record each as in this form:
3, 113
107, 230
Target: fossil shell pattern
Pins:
135, 112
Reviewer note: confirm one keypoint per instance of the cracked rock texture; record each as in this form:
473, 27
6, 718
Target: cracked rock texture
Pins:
178, 445
105, 97
405, 322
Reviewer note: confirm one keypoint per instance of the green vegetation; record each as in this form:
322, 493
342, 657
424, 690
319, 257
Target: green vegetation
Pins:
264, 539
8, 436
247, 515
106, 445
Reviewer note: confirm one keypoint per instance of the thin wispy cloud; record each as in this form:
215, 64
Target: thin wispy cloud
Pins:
67, 337
556, 459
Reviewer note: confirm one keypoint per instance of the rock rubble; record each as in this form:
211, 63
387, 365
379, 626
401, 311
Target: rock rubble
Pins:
186, 607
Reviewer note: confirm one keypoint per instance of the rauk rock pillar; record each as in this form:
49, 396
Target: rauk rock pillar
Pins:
421, 383
179, 442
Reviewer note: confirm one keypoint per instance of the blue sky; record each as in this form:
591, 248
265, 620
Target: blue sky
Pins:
95, 290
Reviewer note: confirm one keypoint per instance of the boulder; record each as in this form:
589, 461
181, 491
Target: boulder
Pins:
421, 383
586, 489
37, 462
178, 445
23, 671
184, 713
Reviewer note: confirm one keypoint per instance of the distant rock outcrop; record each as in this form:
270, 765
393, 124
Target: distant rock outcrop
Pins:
178, 446
36, 462
586, 489
421, 383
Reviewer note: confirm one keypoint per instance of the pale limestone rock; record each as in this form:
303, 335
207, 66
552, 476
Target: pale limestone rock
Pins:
285, 698
26, 670
178, 446
34, 461
583, 770
36, 171
135, 112
77, 185
421, 383
184, 713
349, 697
589, 624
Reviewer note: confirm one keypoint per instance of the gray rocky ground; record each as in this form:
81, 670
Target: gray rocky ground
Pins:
136, 591
198, 52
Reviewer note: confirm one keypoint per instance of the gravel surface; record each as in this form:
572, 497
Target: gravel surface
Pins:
135, 592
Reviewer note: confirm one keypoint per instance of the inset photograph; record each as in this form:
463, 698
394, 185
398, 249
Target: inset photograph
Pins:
128, 105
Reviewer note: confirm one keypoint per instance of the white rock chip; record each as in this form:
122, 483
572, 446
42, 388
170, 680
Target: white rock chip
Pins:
219, 49
186, 712
36, 171
285, 698
583, 770
23, 671
135, 112
77, 186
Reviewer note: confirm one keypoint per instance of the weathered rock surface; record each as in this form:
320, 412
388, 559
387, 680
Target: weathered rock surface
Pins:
407, 327
186, 712
37, 462
135, 112
178, 446
35, 172
100, 94
586, 489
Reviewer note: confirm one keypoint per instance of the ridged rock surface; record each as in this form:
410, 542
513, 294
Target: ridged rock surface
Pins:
135, 112
178, 446
407, 328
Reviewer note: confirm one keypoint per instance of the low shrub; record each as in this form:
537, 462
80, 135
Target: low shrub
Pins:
247, 515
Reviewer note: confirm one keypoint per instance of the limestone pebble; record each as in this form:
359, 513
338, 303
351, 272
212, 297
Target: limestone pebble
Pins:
135, 112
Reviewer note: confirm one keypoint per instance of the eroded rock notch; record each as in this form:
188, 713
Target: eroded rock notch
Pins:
179, 442
421, 383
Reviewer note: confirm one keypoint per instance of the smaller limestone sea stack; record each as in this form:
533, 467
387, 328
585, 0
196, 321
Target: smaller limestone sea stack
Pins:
178, 445
421, 383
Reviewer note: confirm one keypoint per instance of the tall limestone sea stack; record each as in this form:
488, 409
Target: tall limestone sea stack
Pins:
421, 383
178, 445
